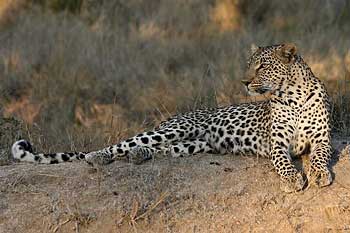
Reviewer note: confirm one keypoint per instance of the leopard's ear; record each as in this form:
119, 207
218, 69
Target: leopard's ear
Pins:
253, 48
287, 52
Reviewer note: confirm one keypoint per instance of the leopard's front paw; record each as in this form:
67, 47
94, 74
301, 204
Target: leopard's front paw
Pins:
320, 178
98, 158
292, 183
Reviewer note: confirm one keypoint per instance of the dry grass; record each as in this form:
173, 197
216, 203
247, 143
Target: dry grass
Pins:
9, 9
150, 67
226, 15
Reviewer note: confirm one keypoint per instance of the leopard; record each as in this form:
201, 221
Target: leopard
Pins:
293, 120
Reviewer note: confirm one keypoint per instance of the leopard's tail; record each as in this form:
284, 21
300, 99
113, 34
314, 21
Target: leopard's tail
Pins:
23, 151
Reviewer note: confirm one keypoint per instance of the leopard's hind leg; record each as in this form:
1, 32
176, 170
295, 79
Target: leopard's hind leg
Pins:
183, 133
191, 147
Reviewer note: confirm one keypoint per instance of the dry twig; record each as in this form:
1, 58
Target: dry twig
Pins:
60, 225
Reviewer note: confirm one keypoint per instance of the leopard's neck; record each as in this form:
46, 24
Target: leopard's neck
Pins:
299, 87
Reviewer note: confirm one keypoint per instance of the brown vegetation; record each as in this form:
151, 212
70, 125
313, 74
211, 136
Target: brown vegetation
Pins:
151, 59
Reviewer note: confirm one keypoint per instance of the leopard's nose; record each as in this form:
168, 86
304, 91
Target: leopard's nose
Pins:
246, 82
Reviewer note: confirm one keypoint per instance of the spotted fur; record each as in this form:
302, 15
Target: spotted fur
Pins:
294, 120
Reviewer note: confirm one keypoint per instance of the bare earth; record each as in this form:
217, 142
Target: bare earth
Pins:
197, 194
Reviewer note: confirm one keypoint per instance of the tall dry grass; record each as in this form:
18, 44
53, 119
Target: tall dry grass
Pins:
87, 74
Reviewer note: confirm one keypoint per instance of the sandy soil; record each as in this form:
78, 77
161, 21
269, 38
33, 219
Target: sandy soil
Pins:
198, 194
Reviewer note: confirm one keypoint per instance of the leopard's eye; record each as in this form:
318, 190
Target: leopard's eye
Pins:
263, 65
266, 65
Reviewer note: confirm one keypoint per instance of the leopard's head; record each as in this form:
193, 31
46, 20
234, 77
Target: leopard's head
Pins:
268, 67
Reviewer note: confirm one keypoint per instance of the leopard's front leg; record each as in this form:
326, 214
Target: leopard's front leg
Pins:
319, 173
291, 179
320, 144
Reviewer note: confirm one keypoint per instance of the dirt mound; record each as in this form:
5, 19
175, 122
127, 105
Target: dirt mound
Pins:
198, 194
